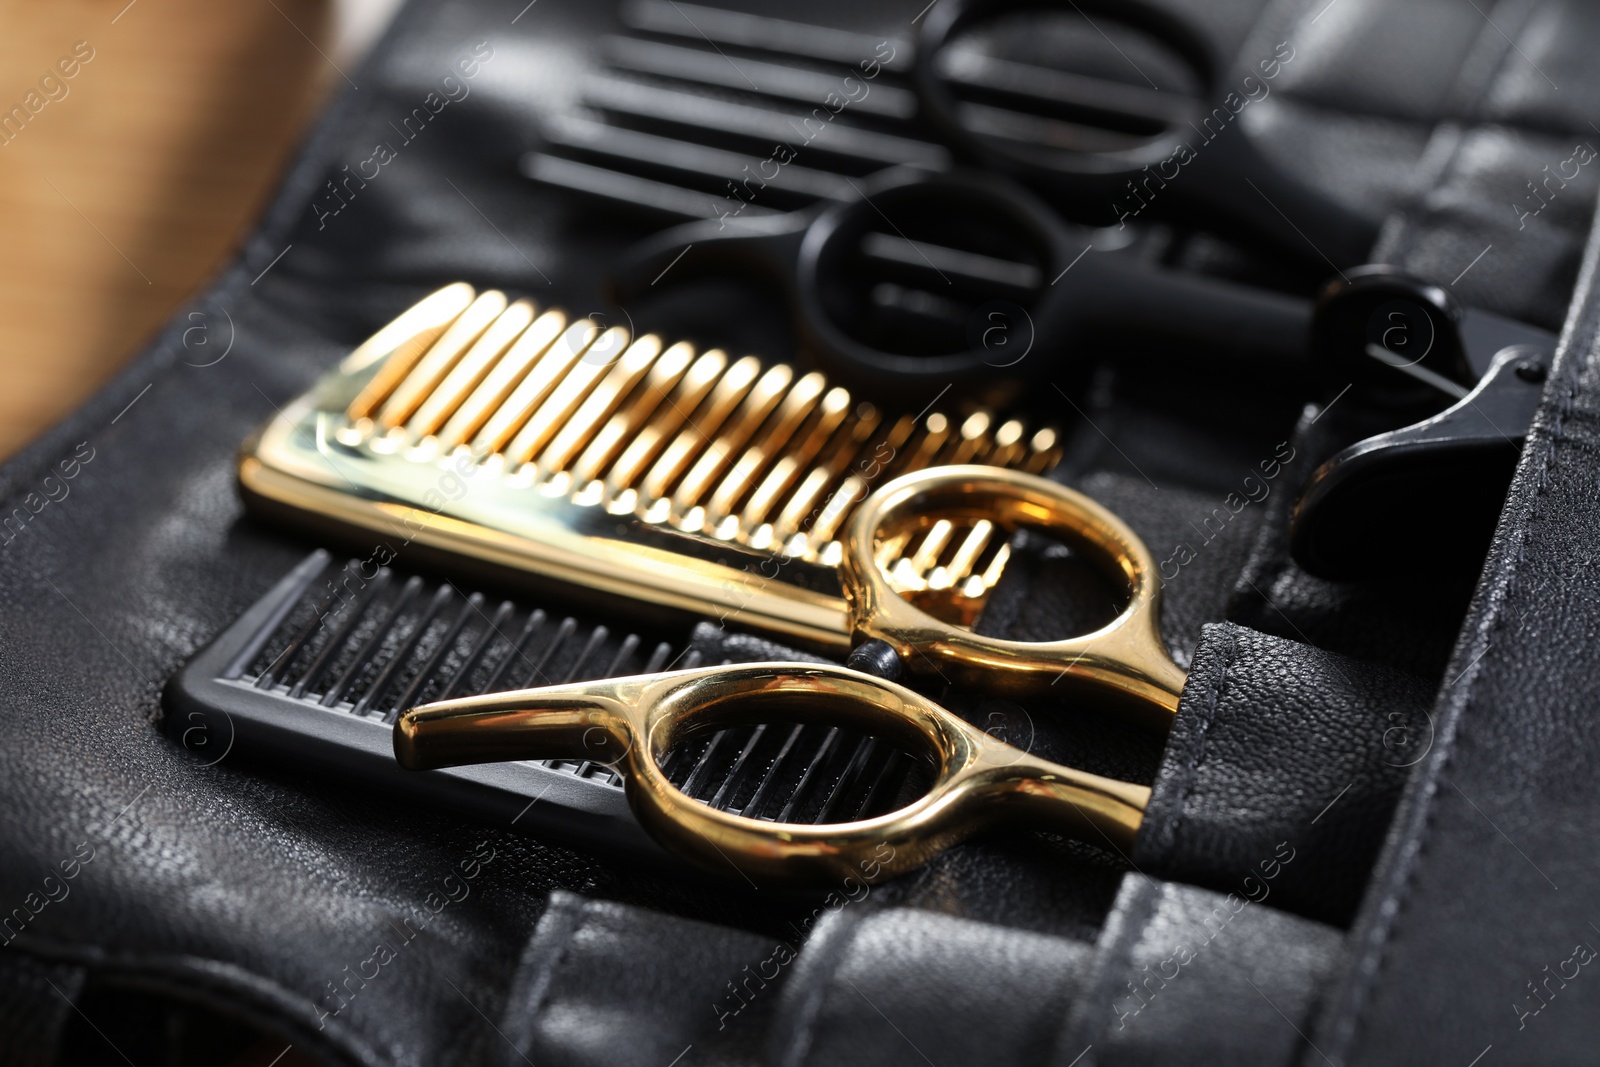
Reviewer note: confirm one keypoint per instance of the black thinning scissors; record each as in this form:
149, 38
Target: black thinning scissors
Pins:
1163, 136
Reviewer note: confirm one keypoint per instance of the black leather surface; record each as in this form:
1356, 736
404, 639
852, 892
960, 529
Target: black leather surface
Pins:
36, 998
1186, 976
249, 890
1487, 872
1281, 772
902, 986
605, 983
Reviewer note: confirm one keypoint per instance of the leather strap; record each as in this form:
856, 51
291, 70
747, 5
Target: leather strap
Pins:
1282, 771
1184, 976
906, 986
608, 984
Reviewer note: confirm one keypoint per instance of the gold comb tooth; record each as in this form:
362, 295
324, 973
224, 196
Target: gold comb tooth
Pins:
896, 565
547, 369
1043, 451
763, 397
685, 397
903, 578
967, 553
991, 573
579, 429
927, 553
830, 413
492, 393
880, 461
791, 521
875, 463
432, 367
1007, 443
788, 525
664, 375
971, 440
849, 493
891, 549
465, 376
935, 431
797, 404
600, 350
718, 405
401, 343
895, 441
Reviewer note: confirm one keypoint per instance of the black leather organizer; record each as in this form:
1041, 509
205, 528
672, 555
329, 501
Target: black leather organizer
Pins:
1369, 838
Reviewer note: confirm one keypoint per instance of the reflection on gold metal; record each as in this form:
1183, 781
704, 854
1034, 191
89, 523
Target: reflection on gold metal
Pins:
693, 482
1125, 657
633, 723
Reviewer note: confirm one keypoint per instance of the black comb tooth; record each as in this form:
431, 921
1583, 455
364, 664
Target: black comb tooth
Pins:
885, 783
280, 666
402, 655
723, 798
474, 605
408, 593
703, 766
853, 771
812, 776
518, 652
780, 766
490, 632
537, 676
288, 595
353, 616
658, 659
618, 665
575, 673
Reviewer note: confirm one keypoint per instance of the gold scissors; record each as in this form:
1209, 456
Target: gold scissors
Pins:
632, 723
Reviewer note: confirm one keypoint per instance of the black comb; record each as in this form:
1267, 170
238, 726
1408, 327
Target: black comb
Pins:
316, 671
687, 103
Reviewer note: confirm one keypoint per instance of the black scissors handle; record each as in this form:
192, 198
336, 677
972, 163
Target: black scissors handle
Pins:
1036, 299
1420, 499
1107, 150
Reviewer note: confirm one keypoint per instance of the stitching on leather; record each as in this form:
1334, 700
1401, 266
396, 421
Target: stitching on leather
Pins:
1114, 961
814, 986
1376, 958
575, 924
1192, 764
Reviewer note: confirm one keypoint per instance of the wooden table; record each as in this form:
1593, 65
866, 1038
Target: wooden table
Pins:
126, 186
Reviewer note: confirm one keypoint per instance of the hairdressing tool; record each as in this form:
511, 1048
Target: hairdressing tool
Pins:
669, 123
1470, 379
313, 674
1106, 108
1167, 133
914, 279
632, 723
693, 483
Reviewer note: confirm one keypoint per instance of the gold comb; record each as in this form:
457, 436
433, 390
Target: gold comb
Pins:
688, 481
